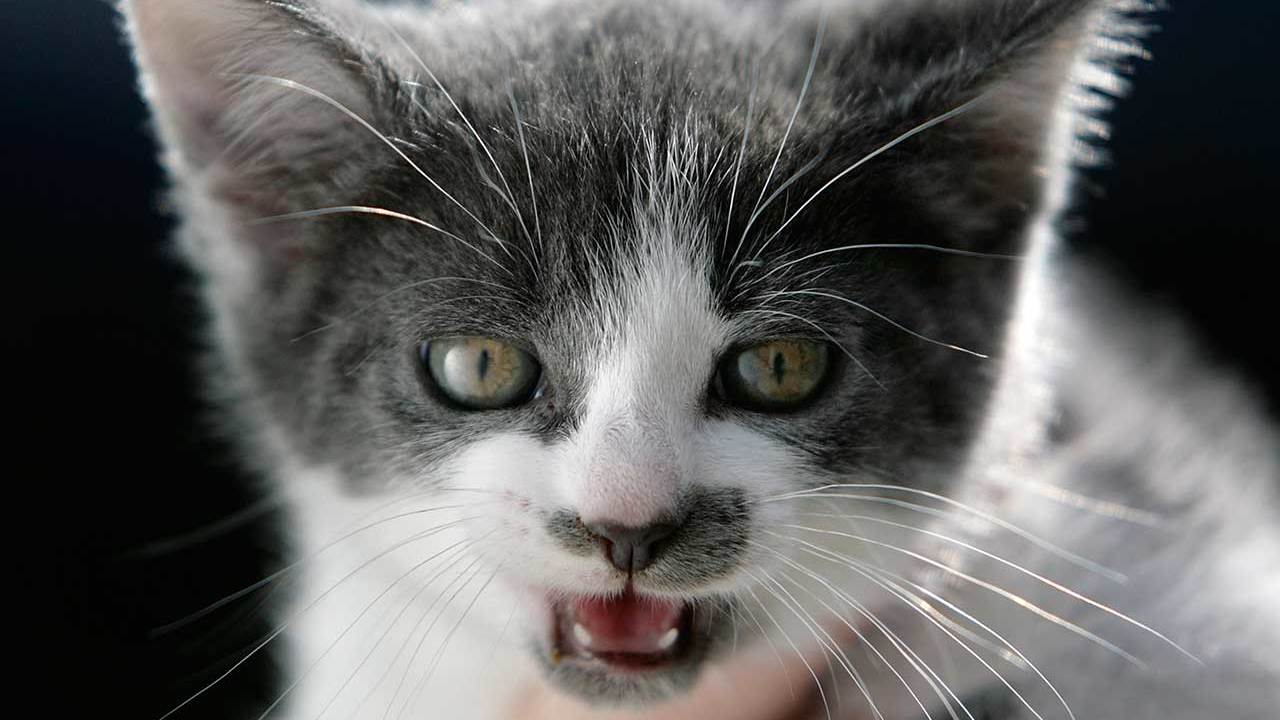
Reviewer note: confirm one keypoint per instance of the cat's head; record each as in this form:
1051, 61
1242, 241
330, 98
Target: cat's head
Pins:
630, 274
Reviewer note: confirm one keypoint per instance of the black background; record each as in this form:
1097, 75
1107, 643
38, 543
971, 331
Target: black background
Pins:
98, 331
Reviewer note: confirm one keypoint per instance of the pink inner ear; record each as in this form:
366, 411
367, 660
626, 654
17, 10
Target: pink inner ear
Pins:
196, 55
189, 103
251, 207
238, 144
182, 46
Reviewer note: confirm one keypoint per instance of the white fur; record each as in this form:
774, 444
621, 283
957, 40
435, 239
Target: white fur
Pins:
1209, 579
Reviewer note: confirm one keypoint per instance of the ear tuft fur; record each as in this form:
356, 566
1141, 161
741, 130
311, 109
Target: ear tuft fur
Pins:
1035, 77
237, 89
1030, 58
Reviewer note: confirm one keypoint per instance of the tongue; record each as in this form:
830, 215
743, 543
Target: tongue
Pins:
628, 623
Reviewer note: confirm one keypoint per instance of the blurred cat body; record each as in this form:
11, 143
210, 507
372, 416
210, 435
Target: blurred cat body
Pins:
1011, 495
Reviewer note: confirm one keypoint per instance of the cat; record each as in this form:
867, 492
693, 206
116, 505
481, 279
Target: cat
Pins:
706, 359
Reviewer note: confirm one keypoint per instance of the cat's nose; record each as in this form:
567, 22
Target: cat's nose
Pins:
631, 549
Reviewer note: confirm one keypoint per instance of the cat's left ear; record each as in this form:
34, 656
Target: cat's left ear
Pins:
260, 105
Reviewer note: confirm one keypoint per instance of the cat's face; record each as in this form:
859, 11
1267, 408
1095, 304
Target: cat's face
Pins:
616, 278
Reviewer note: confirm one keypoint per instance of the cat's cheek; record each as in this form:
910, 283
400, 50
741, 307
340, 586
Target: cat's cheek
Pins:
508, 482
509, 469
730, 454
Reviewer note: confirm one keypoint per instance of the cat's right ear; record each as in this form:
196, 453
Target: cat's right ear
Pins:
255, 101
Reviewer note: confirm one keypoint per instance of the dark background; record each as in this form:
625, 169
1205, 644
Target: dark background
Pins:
112, 454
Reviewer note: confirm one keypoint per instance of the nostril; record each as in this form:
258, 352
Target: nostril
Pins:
631, 549
615, 555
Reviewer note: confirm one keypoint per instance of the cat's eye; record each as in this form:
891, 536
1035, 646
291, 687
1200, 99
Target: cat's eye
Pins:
773, 376
481, 373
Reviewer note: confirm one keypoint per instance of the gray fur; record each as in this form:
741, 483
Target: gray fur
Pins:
639, 119
619, 83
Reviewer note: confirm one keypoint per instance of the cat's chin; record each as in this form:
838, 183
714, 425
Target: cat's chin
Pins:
627, 649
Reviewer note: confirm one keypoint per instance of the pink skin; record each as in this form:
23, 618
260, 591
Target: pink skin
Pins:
751, 686
627, 624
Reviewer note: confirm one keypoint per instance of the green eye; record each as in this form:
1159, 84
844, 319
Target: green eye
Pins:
481, 373
773, 376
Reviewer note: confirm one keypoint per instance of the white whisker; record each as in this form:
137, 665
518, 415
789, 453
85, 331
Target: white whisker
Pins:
1106, 508
417, 57
776, 654
816, 681
829, 644
742, 150
458, 555
457, 558
405, 288
779, 267
350, 626
524, 150
366, 210
1014, 566
209, 531
474, 570
786, 135
868, 573
279, 629
990, 587
823, 491
882, 316
922, 127
858, 633
999, 638
267, 580
294, 85
444, 644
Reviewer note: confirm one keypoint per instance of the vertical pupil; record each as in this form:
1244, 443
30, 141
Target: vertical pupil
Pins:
779, 367
482, 363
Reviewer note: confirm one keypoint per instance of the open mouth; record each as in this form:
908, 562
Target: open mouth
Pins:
628, 633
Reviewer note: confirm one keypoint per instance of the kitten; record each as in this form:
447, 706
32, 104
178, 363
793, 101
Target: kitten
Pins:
706, 359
